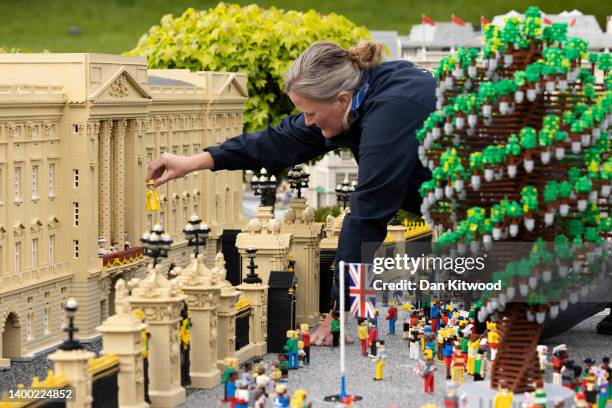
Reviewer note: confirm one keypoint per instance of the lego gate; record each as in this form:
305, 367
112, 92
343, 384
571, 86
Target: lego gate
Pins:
281, 309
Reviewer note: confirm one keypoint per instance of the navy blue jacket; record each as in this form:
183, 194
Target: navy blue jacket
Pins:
381, 137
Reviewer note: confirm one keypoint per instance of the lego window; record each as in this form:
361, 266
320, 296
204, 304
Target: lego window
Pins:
51, 249
30, 325
51, 177
75, 128
35, 182
75, 248
62, 315
75, 178
34, 253
17, 183
16, 131
75, 214
346, 155
47, 319
173, 219
17, 260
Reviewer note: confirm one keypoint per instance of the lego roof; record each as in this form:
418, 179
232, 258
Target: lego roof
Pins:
442, 35
159, 81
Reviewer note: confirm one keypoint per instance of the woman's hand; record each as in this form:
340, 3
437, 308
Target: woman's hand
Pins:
170, 166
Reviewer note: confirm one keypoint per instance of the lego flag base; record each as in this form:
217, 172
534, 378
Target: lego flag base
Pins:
348, 399
480, 394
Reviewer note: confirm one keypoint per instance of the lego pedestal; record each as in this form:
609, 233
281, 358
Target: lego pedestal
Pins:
481, 395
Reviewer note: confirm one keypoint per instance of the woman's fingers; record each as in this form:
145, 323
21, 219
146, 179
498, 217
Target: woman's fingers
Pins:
156, 168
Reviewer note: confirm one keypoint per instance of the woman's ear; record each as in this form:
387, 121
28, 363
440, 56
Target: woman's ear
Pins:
343, 99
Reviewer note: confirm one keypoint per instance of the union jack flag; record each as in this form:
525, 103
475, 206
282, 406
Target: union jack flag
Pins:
362, 295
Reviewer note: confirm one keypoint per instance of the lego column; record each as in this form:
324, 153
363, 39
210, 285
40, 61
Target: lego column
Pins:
161, 303
119, 184
104, 181
307, 234
121, 335
257, 294
74, 365
226, 323
202, 290
264, 234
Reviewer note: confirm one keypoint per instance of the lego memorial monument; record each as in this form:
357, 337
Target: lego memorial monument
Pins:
469, 306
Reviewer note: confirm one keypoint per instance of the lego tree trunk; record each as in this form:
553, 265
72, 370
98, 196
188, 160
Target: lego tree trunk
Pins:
517, 359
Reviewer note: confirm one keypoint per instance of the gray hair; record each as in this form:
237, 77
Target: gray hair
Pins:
325, 69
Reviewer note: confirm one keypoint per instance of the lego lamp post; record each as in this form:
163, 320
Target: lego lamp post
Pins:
343, 192
265, 187
252, 277
196, 233
298, 179
71, 343
156, 243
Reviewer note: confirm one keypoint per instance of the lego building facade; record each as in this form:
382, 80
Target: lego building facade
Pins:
76, 134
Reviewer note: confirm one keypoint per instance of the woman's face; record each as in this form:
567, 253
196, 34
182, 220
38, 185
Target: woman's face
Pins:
326, 116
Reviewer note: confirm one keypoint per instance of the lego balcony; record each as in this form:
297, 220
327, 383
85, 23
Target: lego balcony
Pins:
127, 257
34, 275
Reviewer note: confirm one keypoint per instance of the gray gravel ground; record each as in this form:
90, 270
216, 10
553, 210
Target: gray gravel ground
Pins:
400, 386
22, 370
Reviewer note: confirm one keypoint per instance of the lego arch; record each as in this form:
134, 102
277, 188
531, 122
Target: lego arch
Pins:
11, 310
11, 334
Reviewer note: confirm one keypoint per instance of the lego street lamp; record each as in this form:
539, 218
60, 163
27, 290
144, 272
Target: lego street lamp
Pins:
71, 343
156, 243
252, 277
265, 187
196, 233
343, 192
298, 179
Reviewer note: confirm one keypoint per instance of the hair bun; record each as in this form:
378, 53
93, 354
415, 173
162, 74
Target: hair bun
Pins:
366, 54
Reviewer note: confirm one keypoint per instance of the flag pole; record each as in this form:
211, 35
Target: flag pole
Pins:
342, 322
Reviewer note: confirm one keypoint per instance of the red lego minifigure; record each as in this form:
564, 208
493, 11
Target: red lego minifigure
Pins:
372, 337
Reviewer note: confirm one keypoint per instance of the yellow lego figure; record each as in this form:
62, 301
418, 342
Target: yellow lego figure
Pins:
299, 399
493, 338
503, 398
472, 352
362, 334
457, 366
152, 197
442, 335
379, 359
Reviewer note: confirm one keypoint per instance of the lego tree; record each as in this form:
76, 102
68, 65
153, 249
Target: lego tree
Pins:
519, 148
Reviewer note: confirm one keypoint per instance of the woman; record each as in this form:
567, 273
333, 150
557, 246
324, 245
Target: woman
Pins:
347, 98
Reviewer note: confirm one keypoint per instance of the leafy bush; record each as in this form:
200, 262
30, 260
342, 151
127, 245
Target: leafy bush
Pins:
321, 213
261, 42
11, 50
